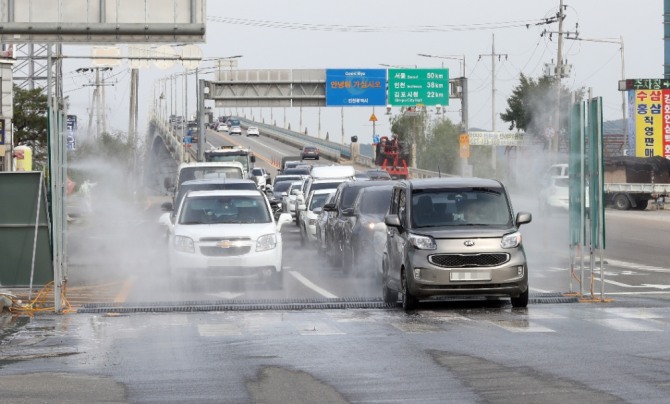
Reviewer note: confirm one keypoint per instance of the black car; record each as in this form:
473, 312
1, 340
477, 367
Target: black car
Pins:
309, 152
378, 175
340, 211
367, 217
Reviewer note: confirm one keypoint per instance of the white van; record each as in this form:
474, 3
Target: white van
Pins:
206, 170
332, 171
322, 177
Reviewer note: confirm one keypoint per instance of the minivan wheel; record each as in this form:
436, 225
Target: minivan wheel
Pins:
409, 301
521, 301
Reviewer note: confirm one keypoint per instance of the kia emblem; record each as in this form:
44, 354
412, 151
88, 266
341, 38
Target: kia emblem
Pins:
469, 243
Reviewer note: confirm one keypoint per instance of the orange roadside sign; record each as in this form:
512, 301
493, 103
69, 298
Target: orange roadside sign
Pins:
373, 118
464, 146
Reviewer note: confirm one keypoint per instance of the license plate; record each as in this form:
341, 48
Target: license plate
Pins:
457, 276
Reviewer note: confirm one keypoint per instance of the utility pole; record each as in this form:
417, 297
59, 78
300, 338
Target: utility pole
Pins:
97, 103
93, 110
132, 122
559, 72
493, 55
104, 106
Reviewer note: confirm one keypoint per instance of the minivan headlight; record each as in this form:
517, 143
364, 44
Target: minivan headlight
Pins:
266, 242
422, 242
511, 240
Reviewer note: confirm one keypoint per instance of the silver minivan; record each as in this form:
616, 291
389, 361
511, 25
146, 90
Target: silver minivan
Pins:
453, 236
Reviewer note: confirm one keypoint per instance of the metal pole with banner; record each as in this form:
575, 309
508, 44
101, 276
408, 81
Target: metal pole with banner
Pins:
576, 187
596, 187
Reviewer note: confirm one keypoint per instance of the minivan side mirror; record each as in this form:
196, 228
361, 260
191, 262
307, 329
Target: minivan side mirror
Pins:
329, 207
348, 212
523, 218
392, 220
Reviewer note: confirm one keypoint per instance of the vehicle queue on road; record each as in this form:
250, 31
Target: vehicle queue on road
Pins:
419, 238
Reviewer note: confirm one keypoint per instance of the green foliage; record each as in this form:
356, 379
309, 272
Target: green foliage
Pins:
436, 139
441, 152
532, 105
30, 122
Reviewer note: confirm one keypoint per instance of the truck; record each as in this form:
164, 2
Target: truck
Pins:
630, 182
233, 154
391, 158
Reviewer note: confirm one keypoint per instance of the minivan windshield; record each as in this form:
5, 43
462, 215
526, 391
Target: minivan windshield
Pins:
460, 207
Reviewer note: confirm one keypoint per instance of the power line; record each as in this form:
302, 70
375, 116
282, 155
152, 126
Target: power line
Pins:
373, 29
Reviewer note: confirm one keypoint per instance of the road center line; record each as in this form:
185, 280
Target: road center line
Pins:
309, 284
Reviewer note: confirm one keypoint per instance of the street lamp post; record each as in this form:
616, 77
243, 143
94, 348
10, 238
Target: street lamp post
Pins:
447, 57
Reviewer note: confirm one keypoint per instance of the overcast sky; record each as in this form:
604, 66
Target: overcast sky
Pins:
299, 34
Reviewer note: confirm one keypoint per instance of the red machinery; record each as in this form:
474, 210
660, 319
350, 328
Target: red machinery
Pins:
388, 157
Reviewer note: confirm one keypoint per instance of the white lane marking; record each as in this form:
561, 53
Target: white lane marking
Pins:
644, 285
640, 267
632, 312
625, 324
311, 285
536, 290
649, 292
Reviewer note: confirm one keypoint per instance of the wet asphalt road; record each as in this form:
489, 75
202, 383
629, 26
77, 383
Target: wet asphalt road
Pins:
472, 352
459, 351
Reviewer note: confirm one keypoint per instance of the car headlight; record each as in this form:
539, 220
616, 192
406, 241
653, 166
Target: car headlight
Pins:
184, 244
266, 242
511, 240
312, 222
422, 242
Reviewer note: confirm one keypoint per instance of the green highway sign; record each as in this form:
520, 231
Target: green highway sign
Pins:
411, 87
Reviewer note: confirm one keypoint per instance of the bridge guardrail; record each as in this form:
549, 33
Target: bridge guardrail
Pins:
328, 149
297, 139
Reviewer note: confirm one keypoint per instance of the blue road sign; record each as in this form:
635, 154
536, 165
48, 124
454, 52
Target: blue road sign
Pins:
355, 87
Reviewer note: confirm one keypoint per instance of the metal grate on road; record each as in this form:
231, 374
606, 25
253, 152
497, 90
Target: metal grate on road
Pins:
280, 304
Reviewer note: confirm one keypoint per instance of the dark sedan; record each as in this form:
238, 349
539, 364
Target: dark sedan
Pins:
340, 213
367, 218
309, 152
